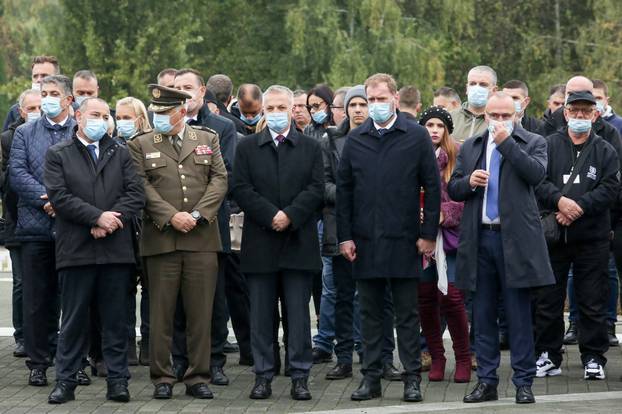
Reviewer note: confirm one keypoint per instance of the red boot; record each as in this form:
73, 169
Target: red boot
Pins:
431, 325
452, 306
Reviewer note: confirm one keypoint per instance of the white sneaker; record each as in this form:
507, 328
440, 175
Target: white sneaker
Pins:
594, 371
545, 367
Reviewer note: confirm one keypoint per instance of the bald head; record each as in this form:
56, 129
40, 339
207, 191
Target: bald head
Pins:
500, 99
500, 107
579, 83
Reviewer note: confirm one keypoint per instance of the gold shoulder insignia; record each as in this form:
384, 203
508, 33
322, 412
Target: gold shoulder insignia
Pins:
157, 138
192, 135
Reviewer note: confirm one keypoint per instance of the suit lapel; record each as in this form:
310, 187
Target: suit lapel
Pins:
190, 142
163, 144
105, 153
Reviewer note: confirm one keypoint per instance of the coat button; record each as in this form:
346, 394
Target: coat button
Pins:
153, 165
204, 161
185, 200
180, 166
183, 177
184, 188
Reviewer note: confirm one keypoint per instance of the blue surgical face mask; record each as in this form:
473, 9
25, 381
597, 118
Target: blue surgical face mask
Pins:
518, 107
32, 116
477, 96
162, 123
509, 125
50, 105
600, 107
380, 112
277, 121
126, 127
579, 126
252, 121
95, 129
319, 117
80, 99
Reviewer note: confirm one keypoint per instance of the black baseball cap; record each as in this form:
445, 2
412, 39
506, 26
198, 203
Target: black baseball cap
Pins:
580, 96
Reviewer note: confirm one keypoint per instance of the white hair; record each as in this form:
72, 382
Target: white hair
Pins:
279, 89
26, 93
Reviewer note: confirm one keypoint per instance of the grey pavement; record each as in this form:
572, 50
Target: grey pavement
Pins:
567, 393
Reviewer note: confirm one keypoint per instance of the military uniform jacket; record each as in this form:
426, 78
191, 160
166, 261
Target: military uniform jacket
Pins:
194, 179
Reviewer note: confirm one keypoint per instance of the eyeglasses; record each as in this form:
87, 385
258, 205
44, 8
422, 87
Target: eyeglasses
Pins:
576, 111
316, 106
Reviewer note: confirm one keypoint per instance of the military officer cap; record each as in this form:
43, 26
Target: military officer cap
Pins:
164, 98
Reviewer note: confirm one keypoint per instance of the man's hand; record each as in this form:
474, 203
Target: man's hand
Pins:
426, 247
98, 233
348, 250
109, 221
479, 178
563, 219
500, 133
183, 222
280, 221
47, 207
569, 208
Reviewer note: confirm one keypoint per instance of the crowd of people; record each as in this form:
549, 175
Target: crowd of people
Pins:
472, 216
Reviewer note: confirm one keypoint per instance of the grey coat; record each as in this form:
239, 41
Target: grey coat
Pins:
523, 167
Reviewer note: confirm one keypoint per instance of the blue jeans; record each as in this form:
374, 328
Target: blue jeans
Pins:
325, 337
612, 302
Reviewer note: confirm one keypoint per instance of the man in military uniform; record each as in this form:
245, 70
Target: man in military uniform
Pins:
185, 182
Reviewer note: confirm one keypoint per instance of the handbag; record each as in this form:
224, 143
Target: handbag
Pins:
550, 226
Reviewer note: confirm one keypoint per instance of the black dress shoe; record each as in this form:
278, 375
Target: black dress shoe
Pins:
246, 360
19, 351
390, 373
143, 353
37, 378
300, 389
367, 390
61, 393
412, 391
200, 390
230, 348
320, 356
117, 391
482, 392
524, 395
82, 378
163, 391
339, 371
570, 338
261, 390
218, 376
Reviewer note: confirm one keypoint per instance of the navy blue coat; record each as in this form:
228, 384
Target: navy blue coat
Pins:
30, 143
523, 167
379, 182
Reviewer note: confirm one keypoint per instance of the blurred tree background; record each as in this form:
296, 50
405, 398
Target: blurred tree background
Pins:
428, 43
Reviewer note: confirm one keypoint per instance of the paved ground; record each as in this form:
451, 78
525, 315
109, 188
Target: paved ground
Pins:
568, 393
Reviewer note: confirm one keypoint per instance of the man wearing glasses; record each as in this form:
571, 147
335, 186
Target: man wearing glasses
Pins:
502, 251
582, 211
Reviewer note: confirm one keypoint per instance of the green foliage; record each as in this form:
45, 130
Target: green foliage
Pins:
428, 43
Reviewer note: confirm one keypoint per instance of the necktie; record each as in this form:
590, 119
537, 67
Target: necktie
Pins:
382, 131
280, 139
492, 197
176, 141
92, 153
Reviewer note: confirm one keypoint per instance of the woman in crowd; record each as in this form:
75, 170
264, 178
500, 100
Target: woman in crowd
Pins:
319, 100
437, 293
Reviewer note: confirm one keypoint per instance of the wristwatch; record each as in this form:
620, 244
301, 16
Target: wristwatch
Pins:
196, 215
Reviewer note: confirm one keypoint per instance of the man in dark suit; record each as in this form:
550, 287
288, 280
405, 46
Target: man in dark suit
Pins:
92, 185
278, 182
385, 163
191, 82
502, 251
